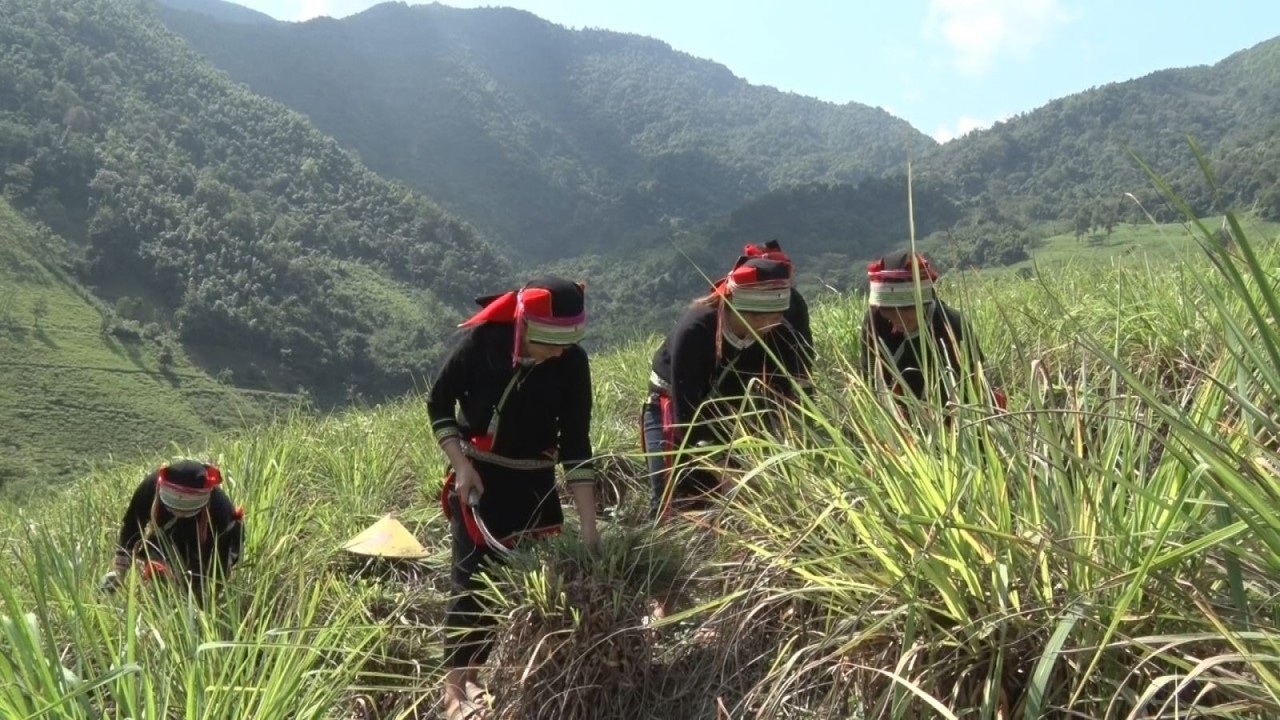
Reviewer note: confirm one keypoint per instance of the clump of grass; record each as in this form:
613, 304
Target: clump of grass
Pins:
574, 641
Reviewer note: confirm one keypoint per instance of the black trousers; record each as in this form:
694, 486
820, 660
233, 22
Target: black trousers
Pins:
468, 624
695, 488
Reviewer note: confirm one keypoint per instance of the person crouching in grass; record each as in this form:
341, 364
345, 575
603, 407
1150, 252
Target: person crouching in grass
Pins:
721, 345
915, 344
181, 524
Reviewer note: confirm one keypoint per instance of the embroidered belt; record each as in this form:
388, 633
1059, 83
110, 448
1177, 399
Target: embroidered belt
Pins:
485, 456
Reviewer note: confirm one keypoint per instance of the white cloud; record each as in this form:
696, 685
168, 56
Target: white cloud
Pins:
964, 125
979, 32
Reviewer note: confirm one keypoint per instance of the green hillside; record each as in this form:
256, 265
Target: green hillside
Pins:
1071, 156
554, 141
78, 388
223, 217
1128, 244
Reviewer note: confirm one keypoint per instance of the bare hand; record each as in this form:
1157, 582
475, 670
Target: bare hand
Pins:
465, 479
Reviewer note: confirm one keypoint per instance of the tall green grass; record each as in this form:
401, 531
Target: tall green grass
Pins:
1109, 547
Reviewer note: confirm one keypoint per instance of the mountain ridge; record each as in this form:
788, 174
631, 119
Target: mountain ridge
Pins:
554, 141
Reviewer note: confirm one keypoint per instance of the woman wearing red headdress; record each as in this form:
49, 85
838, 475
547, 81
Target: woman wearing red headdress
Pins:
899, 343
720, 344
193, 526
520, 386
797, 314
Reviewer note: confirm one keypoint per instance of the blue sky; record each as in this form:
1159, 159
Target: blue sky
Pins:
946, 66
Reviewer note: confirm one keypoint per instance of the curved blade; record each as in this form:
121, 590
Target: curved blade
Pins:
473, 499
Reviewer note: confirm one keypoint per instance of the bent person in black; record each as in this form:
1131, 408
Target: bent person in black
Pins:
912, 342
520, 386
704, 368
182, 524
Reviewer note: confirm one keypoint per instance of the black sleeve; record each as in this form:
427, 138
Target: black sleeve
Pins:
228, 529
788, 346
449, 386
799, 319
693, 360
136, 517
575, 420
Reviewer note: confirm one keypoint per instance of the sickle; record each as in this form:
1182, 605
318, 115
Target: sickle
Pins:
473, 499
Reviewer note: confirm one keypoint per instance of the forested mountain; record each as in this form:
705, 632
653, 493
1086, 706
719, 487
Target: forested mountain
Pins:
223, 10
219, 215
1070, 158
557, 142
203, 210
78, 386
986, 198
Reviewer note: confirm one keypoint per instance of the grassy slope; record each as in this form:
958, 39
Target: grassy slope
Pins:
71, 396
310, 483
319, 635
1129, 243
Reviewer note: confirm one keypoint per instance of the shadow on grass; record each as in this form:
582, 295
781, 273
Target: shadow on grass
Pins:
166, 372
125, 350
14, 331
45, 339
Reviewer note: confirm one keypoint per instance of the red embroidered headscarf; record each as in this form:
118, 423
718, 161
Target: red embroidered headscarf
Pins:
893, 280
549, 310
185, 486
754, 285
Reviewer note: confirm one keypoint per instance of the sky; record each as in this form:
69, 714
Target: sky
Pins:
945, 66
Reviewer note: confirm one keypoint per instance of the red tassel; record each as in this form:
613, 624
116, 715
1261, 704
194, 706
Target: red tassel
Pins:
518, 345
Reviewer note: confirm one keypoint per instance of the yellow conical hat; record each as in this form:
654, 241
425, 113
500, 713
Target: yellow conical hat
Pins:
386, 538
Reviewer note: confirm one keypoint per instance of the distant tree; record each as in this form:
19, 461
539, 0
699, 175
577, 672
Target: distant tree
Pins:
127, 307
1224, 236
39, 310
18, 180
1269, 203
1081, 223
1110, 218
1097, 219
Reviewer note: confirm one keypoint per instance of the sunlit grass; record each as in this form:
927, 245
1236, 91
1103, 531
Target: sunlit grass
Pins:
1109, 547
